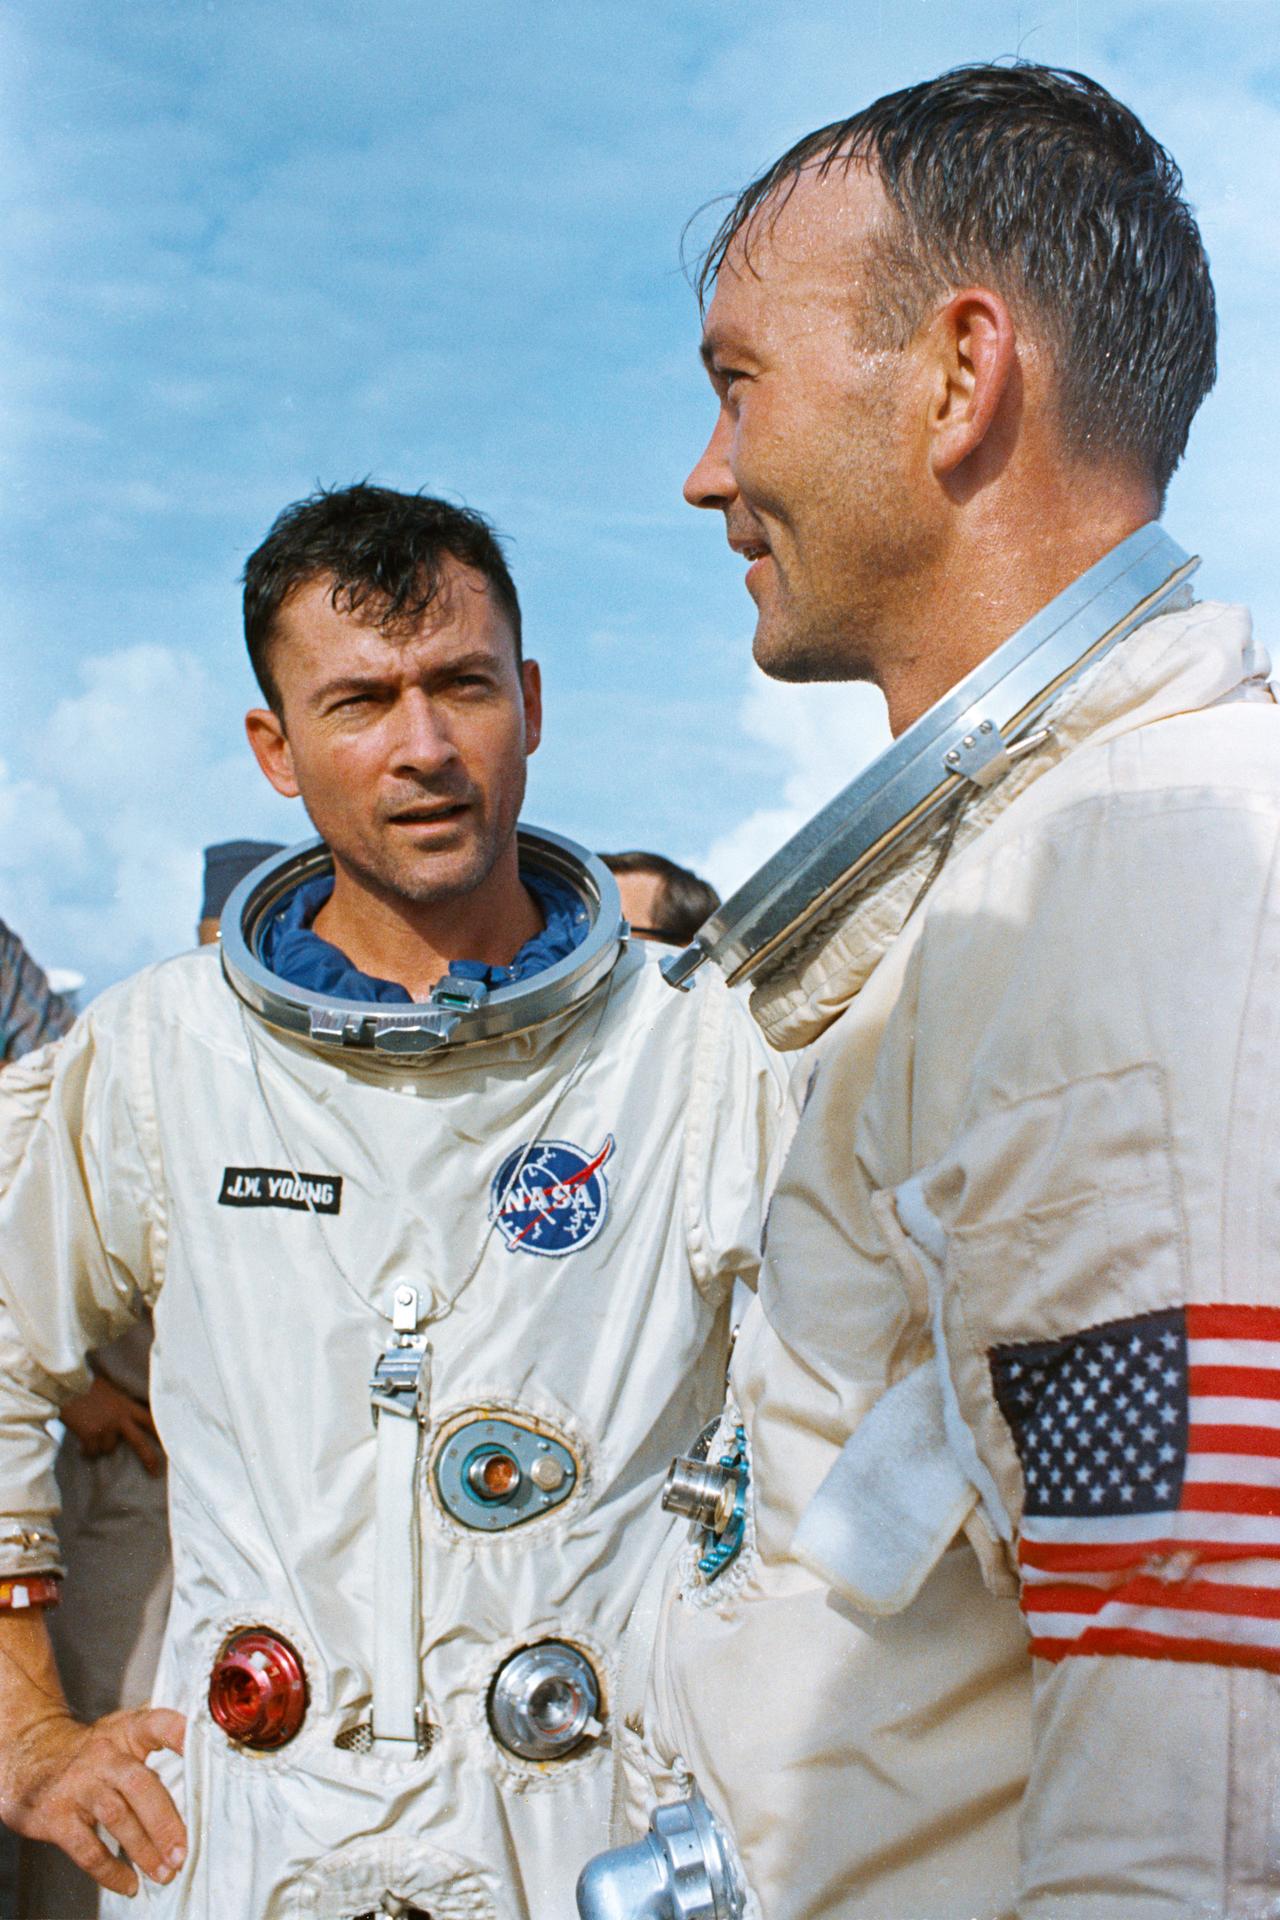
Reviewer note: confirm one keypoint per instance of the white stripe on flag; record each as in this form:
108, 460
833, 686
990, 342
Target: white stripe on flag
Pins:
1086, 1530
1176, 1623
1235, 1469
1223, 1573
1234, 1353
1225, 1410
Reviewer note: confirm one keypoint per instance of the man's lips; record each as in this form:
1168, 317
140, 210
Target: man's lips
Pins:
754, 550
440, 815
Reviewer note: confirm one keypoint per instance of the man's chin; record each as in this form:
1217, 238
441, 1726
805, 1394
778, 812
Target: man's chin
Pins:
798, 658
431, 880
437, 887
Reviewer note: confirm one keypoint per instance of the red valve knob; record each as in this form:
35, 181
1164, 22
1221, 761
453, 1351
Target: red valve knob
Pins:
258, 1689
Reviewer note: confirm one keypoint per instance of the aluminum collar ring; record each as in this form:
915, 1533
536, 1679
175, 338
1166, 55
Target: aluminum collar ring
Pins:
964, 737
457, 1014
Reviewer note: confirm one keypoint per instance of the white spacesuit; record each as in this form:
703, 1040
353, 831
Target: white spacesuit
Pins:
1018, 1332
437, 1292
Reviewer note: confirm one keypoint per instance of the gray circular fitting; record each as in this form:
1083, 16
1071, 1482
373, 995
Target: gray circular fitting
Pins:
701, 1491
781, 909
493, 1472
543, 1701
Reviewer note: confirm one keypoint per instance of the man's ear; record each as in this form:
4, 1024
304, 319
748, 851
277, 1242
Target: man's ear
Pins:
531, 680
975, 354
271, 749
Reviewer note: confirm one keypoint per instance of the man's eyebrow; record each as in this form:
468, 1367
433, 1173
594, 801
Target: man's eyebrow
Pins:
718, 350
453, 663
350, 683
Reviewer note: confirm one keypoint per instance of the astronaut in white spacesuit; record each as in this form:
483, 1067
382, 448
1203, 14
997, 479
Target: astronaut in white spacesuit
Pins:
437, 1195
980, 1612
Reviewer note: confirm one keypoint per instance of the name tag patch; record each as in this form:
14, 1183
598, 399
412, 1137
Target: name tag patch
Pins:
278, 1187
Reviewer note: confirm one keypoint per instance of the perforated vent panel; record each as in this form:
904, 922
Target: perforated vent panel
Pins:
359, 1739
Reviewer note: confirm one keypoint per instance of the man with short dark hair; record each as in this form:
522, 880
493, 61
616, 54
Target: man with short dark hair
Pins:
427, 1180
662, 901
981, 1612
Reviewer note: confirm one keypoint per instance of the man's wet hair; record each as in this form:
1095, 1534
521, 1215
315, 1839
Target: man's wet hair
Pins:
1037, 182
383, 551
683, 901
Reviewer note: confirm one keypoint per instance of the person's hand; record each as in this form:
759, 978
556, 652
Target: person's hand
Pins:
61, 1780
104, 1415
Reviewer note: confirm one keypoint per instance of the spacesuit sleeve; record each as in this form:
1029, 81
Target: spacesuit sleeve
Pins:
1100, 1233
738, 1124
80, 1243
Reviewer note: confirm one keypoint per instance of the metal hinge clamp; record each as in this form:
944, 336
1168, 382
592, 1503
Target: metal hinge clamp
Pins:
985, 756
400, 1379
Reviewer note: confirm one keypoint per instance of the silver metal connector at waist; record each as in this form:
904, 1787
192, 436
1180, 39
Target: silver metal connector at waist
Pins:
685, 1868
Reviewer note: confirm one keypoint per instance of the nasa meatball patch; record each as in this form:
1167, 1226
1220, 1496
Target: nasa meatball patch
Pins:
280, 1187
550, 1197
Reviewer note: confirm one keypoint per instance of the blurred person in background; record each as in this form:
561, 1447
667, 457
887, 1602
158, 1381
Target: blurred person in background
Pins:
30, 1011
30, 1014
661, 901
226, 863
114, 1524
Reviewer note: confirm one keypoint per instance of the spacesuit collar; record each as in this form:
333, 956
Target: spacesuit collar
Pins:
290, 947
1179, 662
470, 1004
964, 744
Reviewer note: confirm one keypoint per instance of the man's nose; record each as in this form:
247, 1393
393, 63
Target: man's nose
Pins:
711, 484
422, 743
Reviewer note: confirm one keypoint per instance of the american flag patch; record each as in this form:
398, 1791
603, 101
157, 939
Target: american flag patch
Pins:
1150, 1451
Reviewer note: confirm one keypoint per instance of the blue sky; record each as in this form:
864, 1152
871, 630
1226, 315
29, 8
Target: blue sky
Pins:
249, 245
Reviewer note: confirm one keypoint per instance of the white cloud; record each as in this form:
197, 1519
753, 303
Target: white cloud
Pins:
102, 827
824, 735
38, 837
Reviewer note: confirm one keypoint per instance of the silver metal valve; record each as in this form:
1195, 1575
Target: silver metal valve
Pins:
702, 1490
544, 1700
685, 1868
